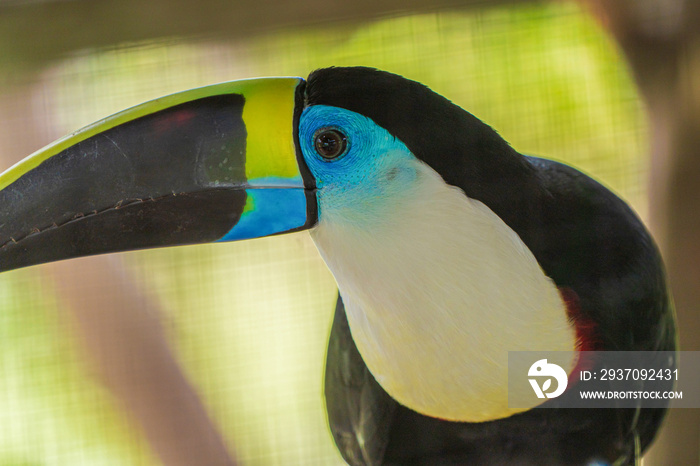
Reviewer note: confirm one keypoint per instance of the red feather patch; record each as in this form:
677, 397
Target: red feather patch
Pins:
586, 337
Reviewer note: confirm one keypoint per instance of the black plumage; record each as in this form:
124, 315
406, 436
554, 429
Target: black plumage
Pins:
584, 237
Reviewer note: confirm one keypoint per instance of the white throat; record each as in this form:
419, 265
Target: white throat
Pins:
437, 293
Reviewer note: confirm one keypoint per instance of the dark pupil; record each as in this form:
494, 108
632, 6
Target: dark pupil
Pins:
331, 143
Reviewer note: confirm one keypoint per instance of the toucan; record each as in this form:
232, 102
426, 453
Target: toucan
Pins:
450, 249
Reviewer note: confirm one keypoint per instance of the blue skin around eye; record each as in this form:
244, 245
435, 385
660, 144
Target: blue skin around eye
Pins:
365, 180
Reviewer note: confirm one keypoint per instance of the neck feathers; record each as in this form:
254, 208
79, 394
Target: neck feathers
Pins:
437, 293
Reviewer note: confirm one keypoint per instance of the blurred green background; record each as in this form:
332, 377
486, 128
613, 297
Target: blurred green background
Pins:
250, 320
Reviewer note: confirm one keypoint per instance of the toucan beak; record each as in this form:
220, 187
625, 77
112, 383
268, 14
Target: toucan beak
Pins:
217, 163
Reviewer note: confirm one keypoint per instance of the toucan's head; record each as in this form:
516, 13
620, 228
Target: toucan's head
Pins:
414, 204
240, 160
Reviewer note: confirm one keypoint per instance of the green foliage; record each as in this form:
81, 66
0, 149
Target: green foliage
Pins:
51, 406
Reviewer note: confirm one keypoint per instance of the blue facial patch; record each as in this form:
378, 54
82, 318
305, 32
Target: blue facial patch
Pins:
365, 180
274, 205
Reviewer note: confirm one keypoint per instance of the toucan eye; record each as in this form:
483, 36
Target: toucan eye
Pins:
330, 143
